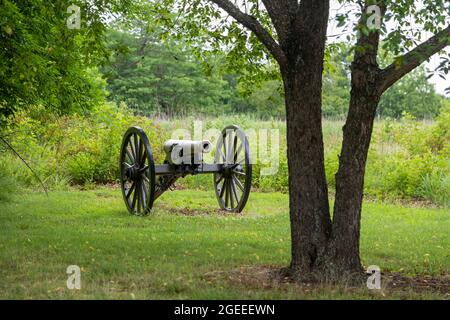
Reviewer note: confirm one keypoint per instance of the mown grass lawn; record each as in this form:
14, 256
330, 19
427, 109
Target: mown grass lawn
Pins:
187, 249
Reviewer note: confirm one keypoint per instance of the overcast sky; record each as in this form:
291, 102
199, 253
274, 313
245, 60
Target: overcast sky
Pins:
439, 83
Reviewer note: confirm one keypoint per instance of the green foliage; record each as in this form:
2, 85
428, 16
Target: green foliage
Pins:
405, 24
413, 94
436, 187
266, 100
206, 30
74, 149
7, 184
415, 162
164, 78
408, 158
336, 83
43, 62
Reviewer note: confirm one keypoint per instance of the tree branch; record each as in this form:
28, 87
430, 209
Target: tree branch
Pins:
253, 25
414, 58
282, 13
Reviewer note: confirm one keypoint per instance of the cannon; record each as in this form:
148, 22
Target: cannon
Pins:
142, 181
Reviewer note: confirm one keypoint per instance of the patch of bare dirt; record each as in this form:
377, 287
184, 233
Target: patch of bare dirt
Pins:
196, 212
270, 278
418, 283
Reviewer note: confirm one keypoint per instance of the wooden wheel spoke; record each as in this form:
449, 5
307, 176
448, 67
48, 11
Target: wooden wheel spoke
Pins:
141, 151
231, 193
226, 193
144, 195
133, 149
141, 194
224, 145
239, 184
218, 178
235, 140
222, 155
230, 147
129, 154
222, 190
133, 203
138, 197
127, 164
136, 146
238, 151
143, 157
130, 190
240, 173
233, 189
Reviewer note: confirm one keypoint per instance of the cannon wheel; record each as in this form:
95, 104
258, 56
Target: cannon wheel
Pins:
232, 185
137, 172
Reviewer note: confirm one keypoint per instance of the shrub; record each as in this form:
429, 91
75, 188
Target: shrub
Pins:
76, 149
407, 158
8, 185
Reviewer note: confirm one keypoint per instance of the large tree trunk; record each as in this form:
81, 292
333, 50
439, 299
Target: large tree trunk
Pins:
342, 256
308, 192
342, 259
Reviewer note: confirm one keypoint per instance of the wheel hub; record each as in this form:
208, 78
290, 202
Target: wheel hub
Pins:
132, 173
228, 170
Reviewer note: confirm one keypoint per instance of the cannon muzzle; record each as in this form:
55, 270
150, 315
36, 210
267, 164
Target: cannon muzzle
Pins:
186, 151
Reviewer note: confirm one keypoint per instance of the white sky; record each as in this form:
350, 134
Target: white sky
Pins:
439, 83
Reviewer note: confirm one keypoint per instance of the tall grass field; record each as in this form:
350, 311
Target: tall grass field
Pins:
408, 159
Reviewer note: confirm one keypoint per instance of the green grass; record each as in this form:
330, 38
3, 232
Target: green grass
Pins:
169, 253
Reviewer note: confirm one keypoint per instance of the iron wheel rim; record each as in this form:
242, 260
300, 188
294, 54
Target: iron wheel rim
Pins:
232, 185
137, 172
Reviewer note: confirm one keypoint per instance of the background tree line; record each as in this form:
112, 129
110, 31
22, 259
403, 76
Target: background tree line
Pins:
42, 62
165, 78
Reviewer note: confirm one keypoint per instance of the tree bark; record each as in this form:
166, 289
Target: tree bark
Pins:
342, 255
308, 191
341, 260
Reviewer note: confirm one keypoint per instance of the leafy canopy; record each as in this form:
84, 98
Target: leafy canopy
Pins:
211, 30
44, 62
